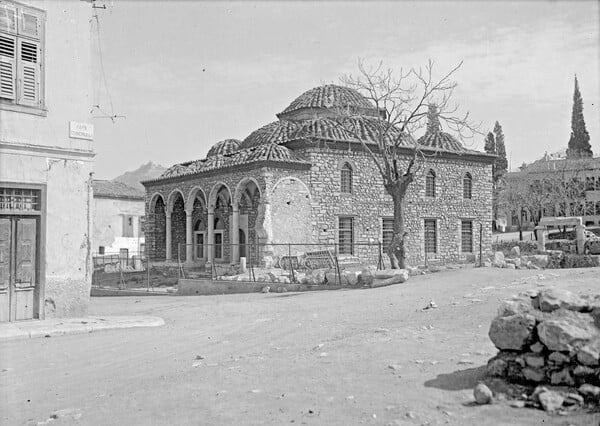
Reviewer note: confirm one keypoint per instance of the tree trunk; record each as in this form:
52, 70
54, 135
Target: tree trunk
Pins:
396, 250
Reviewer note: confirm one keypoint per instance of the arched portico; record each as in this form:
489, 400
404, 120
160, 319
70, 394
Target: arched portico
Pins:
156, 227
195, 205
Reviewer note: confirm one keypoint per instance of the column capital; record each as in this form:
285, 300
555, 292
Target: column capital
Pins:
188, 212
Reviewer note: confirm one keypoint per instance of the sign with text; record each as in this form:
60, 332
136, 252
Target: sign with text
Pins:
81, 130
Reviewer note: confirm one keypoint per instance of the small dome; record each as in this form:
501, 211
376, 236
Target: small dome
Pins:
276, 132
329, 96
435, 138
224, 147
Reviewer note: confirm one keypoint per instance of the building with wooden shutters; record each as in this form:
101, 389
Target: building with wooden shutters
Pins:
46, 159
302, 180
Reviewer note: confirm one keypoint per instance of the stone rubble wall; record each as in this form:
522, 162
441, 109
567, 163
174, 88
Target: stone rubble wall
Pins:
550, 336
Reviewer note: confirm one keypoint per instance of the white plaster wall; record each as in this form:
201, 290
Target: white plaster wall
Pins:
25, 156
108, 224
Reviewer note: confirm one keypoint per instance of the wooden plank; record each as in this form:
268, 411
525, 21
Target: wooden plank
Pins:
5, 235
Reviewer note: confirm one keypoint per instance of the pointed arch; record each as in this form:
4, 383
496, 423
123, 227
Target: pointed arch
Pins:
196, 192
218, 190
242, 186
173, 197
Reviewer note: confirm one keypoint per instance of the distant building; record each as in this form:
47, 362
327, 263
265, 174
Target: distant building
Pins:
301, 180
580, 176
118, 219
46, 159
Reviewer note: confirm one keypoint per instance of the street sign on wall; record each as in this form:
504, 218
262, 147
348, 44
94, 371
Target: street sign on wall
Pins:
81, 130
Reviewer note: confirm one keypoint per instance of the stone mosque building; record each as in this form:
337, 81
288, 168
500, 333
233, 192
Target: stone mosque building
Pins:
301, 180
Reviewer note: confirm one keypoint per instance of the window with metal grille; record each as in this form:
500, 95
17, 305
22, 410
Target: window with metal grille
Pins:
16, 199
430, 184
346, 235
466, 236
346, 179
387, 231
467, 186
430, 236
21, 40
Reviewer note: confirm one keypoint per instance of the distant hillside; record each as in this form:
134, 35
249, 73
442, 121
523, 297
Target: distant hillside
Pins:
144, 172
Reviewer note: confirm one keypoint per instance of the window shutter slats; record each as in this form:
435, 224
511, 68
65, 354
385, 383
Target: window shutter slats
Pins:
8, 18
29, 73
8, 66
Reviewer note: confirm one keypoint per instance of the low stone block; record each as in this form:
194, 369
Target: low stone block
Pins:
589, 354
512, 332
537, 375
567, 330
562, 377
553, 298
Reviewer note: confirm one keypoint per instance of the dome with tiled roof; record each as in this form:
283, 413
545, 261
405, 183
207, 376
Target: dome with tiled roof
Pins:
435, 138
270, 152
366, 129
330, 96
224, 147
277, 132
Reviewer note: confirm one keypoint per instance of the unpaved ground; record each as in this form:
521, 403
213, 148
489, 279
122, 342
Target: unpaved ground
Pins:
297, 358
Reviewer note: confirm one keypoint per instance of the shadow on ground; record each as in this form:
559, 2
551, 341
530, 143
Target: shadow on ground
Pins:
458, 380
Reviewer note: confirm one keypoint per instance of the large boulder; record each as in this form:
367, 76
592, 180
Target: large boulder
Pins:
512, 332
554, 298
567, 330
539, 260
351, 275
314, 277
333, 278
498, 261
389, 277
366, 277
589, 354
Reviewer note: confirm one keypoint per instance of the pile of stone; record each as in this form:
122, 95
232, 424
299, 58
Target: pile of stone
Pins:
515, 261
550, 337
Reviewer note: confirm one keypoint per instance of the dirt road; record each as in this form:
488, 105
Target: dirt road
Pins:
318, 358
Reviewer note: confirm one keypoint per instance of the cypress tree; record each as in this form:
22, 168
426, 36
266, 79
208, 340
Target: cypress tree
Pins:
579, 143
490, 144
501, 162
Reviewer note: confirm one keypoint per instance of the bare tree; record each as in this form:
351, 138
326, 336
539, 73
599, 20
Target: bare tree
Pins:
512, 197
403, 100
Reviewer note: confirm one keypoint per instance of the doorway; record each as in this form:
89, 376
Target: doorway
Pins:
19, 251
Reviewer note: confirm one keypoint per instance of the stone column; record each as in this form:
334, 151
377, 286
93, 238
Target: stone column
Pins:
210, 229
235, 235
188, 238
168, 213
580, 237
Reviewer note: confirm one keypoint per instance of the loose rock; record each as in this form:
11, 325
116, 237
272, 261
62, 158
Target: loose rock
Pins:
482, 394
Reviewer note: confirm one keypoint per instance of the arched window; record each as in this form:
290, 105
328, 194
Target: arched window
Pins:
467, 186
346, 179
430, 184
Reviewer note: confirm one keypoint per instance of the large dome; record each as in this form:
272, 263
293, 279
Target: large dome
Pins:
224, 147
277, 132
328, 97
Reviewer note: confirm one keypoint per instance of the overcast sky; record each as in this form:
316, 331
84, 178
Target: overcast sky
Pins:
188, 74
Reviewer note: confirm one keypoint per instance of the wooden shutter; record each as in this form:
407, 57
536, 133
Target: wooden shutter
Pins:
29, 72
8, 18
8, 62
30, 24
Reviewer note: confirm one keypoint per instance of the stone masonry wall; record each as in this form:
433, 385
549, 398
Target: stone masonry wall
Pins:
369, 203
